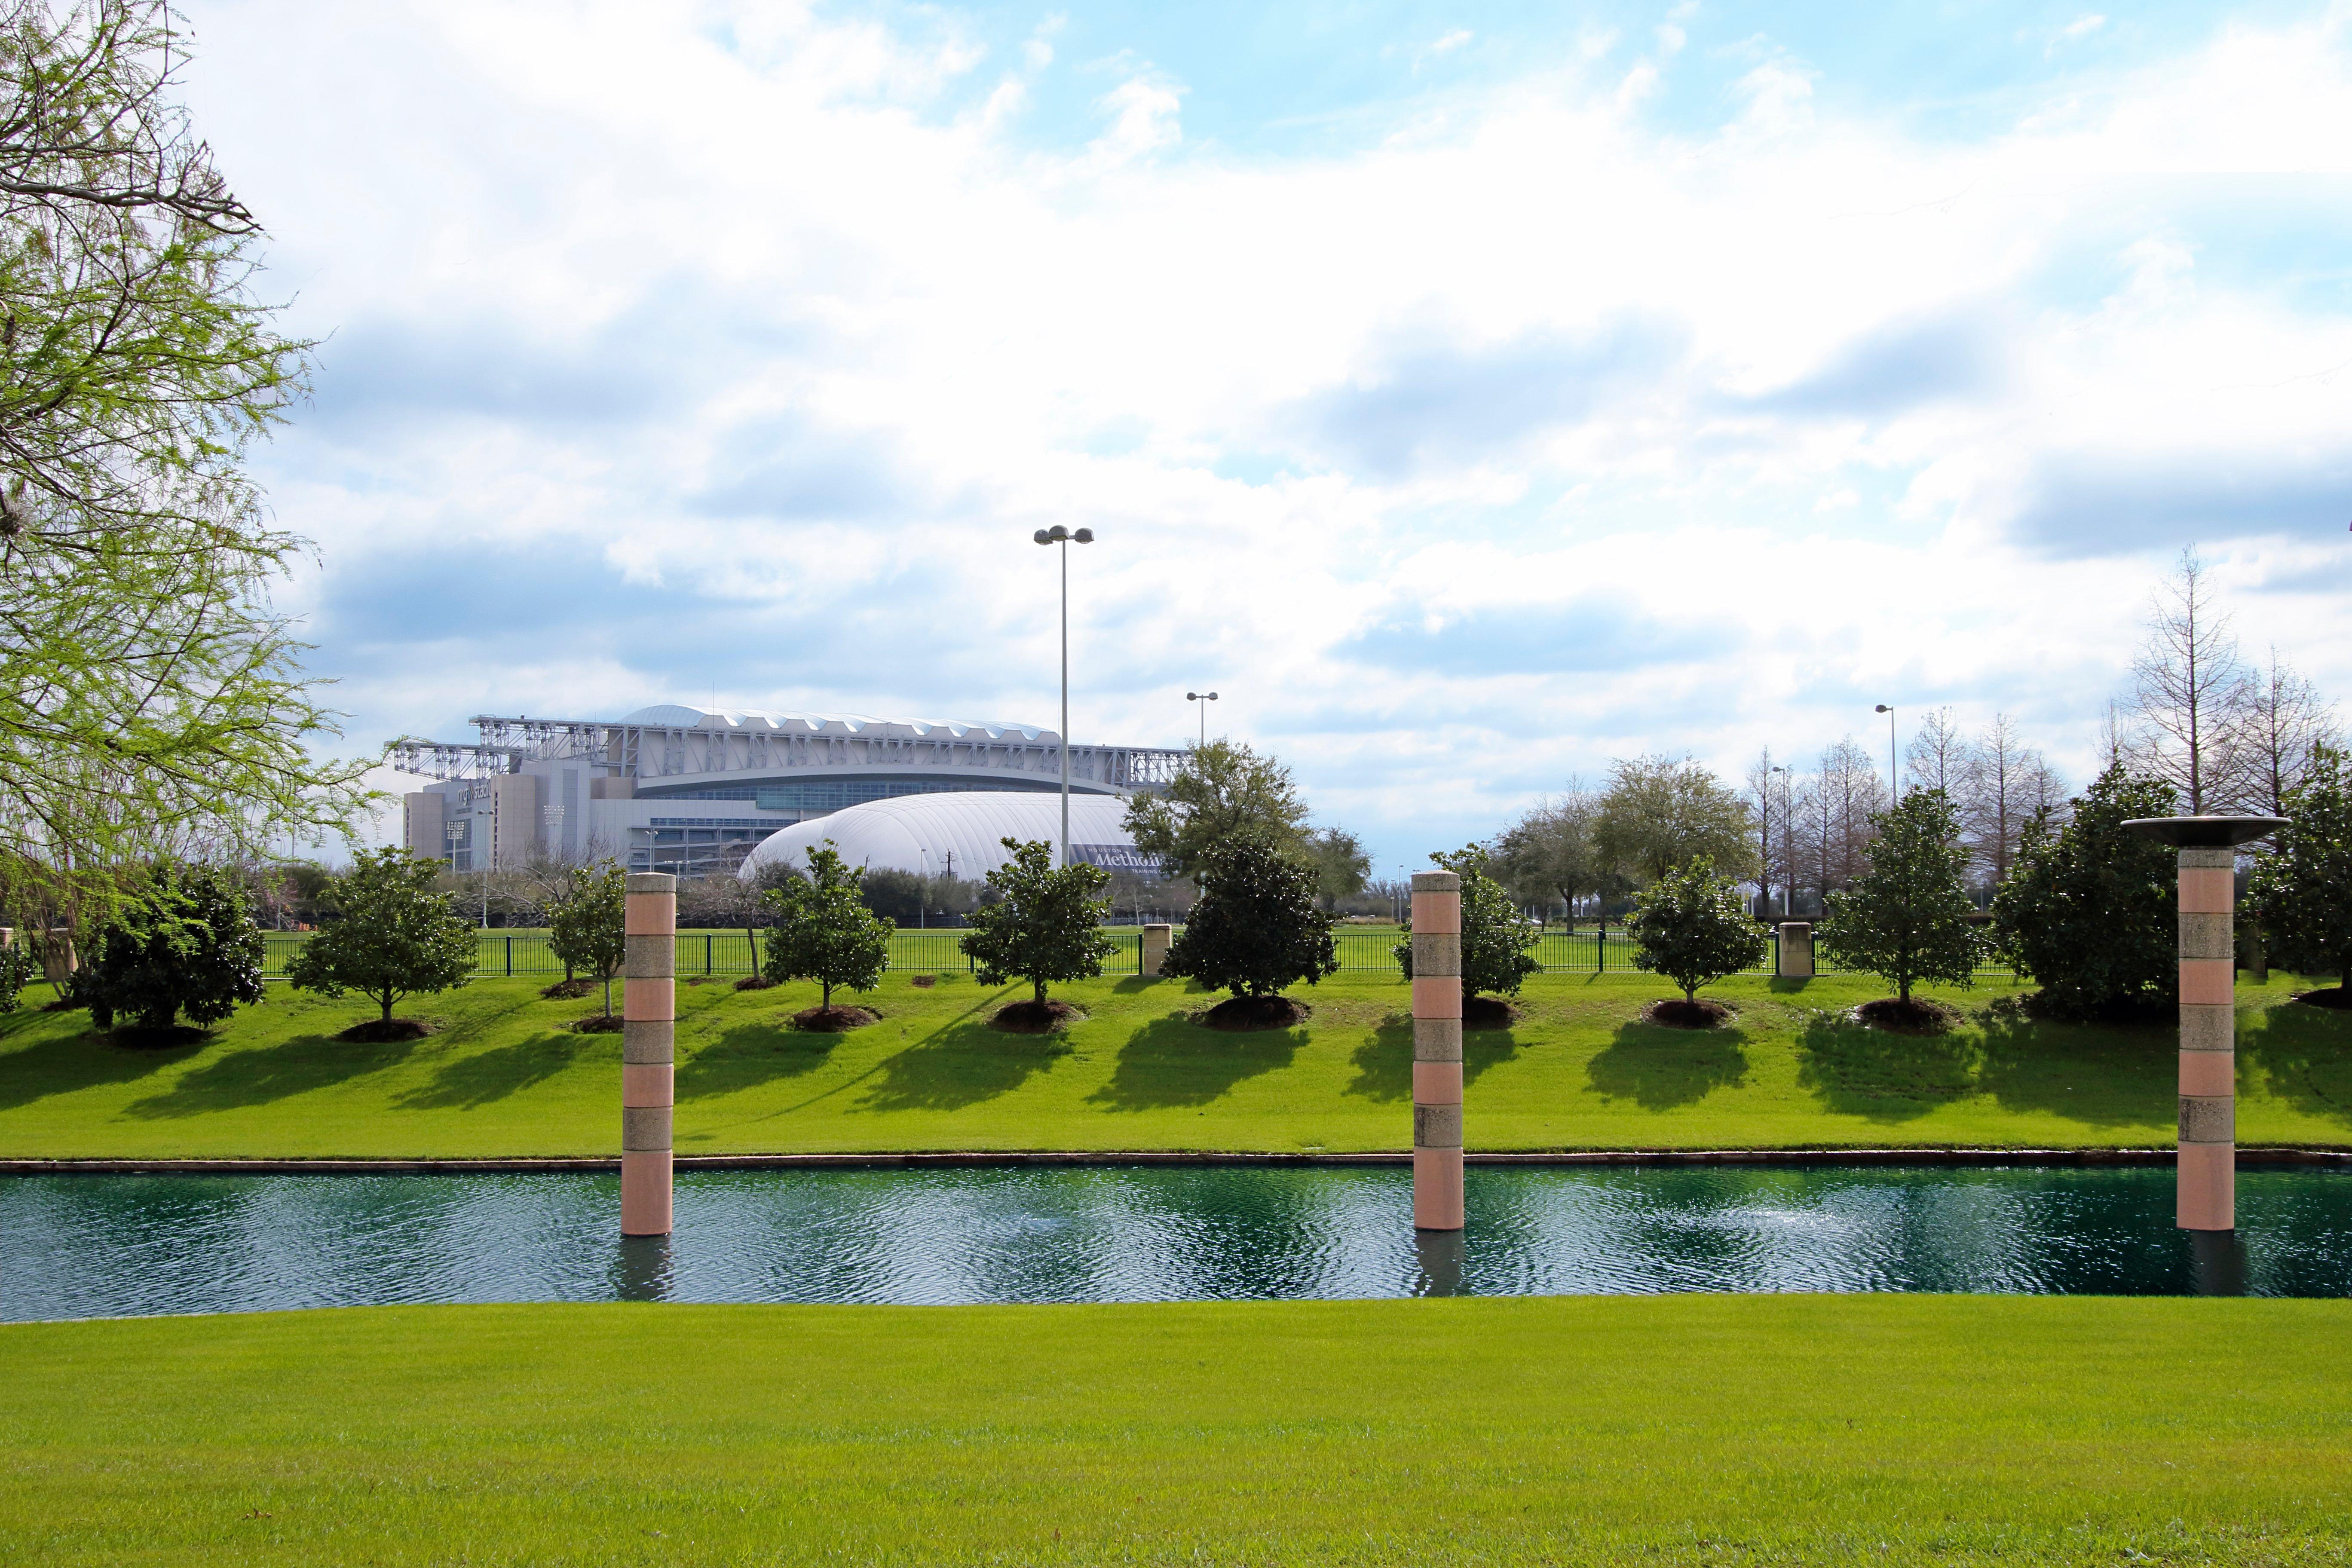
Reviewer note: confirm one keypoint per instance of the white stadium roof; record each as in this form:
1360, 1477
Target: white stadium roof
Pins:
677, 715
918, 832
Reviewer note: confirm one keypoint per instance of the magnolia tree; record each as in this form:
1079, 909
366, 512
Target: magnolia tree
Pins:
1907, 920
1497, 943
2302, 893
184, 944
1045, 926
2089, 910
396, 937
1693, 927
823, 930
587, 922
1256, 928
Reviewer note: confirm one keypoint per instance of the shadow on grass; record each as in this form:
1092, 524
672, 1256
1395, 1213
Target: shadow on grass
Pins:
1135, 985
478, 1077
1659, 1069
2304, 1057
750, 1055
1788, 984
1383, 1064
960, 1065
1172, 1061
1882, 1076
270, 1073
78, 1062
2102, 1074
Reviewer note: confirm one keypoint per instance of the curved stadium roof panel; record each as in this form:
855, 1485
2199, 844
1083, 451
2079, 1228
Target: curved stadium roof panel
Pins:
919, 833
677, 715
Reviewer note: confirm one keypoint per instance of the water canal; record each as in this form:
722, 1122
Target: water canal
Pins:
89, 1246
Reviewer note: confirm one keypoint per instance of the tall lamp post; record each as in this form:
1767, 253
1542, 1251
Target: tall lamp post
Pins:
1894, 773
1203, 698
1064, 537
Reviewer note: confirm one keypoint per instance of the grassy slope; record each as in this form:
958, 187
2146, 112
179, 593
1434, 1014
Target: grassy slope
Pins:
1712, 1430
502, 1079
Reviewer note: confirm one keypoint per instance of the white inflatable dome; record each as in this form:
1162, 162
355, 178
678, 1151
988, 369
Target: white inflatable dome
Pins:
931, 833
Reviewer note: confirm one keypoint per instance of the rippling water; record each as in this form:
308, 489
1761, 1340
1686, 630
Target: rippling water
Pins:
90, 1245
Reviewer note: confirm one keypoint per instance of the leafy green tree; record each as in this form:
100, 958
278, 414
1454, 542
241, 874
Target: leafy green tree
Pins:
1498, 945
1045, 925
2303, 892
1342, 865
1549, 853
1659, 813
1906, 920
151, 700
1224, 788
18, 969
2090, 910
896, 894
823, 930
1256, 928
186, 943
1693, 927
396, 937
587, 926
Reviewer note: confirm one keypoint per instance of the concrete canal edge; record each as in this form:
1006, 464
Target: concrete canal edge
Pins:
1046, 1158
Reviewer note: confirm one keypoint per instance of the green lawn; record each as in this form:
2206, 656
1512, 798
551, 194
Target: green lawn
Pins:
1698, 1429
502, 1077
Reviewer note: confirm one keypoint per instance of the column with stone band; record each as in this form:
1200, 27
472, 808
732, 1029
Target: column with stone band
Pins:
648, 1052
1437, 1050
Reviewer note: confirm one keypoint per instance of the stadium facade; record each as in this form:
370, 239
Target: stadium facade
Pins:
694, 790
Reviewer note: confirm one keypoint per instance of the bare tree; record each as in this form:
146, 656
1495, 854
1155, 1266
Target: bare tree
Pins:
1835, 809
2189, 692
1937, 756
1770, 793
2115, 734
2006, 783
2286, 718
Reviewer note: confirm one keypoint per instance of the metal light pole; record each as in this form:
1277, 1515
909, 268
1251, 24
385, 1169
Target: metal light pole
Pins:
1203, 698
1064, 537
1894, 774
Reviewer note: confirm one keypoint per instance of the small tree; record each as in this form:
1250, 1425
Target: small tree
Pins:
396, 937
1906, 920
1256, 928
2302, 893
1497, 944
18, 969
1223, 789
2089, 910
587, 925
1045, 925
823, 930
1693, 927
185, 943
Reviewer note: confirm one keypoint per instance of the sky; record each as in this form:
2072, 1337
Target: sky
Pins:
1470, 395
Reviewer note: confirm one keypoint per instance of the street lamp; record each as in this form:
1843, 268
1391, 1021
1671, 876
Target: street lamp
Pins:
1064, 537
1894, 777
1203, 698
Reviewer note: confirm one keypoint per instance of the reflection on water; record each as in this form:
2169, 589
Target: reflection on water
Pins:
85, 1246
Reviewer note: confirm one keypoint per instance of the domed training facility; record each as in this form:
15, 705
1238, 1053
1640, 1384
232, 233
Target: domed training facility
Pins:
691, 790
957, 835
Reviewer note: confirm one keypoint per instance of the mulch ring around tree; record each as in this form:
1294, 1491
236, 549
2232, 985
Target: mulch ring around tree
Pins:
2334, 997
381, 1031
753, 983
1241, 1014
835, 1020
1037, 1017
1674, 1013
567, 990
1487, 1013
597, 1024
130, 1037
1916, 1016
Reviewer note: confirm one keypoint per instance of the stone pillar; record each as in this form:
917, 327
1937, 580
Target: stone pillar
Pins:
2207, 1195
1155, 947
1796, 950
648, 1052
1437, 1050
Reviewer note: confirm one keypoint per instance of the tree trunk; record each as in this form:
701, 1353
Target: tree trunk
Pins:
751, 936
608, 995
385, 1001
828, 994
1041, 991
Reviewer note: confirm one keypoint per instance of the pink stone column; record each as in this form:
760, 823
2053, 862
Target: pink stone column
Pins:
1437, 1050
2207, 1198
648, 1052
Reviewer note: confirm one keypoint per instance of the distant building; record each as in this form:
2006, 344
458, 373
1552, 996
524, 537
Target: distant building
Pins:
693, 790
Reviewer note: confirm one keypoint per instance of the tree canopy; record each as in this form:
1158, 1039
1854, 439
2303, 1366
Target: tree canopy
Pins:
396, 937
185, 943
587, 923
1690, 926
1223, 789
1549, 852
1497, 943
1256, 928
2089, 911
1660, 813
824, 930
1045, 926
2302, 892
1907, 920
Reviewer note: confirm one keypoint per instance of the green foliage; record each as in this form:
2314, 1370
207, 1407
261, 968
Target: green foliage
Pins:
587, 925
2303, 892
1498, 945
1256, 928
186, 943
1906, 920
1342, 865
151, 700
902, 895
1693, 927
823, 930
1549, 853
2090, 910
1045, 925
1659, 813
18, 969
396, 937
1223, 789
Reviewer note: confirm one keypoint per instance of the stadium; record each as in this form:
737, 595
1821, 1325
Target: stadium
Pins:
695, 791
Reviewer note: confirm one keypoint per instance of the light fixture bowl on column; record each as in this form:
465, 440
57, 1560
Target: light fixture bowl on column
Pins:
2205, 832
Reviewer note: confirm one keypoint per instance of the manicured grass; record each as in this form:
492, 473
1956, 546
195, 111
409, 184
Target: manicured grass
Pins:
1573, 1430
503, 1078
